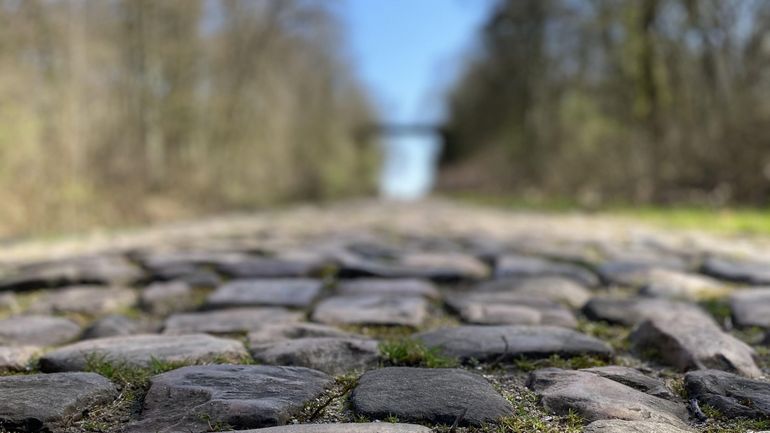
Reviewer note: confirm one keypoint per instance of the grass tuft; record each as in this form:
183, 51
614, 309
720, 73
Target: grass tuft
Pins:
677, 387
214, 426
133, 383
720, 423
413, 353
125, 375
573, 363
529, 416
333, 399
736, 220
717, 307
615, 335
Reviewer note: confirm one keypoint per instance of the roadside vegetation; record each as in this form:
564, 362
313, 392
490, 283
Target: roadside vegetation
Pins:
717, 219
600, 102
120, 113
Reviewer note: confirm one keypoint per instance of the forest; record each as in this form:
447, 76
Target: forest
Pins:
613, 101
123, 112
127, 111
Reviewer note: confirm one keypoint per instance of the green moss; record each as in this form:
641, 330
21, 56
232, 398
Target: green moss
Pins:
32, 367
650, 353
131, 312
214, 426
23, 302
348, 381
333, 400
133, 383
328, 272
573, 363
574, 421
751, 335
723, 220
392, 419
763, 356
95, 425
615, 335
530, 417
526, 364
711, 411
409, 352
677, 387
719, 308
745, 220
720, 423
585, 361
128, 375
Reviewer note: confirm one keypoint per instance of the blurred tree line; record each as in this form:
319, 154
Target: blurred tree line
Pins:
614, 100
116, 111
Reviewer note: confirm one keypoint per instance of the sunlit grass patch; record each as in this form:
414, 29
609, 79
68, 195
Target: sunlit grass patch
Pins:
720, 220
126, 375
720, 423
717, 307
413, 353
556, 361
615, 335
724, 220
133, 383
676, 385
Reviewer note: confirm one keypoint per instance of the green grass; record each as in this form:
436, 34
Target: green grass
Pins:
720, 423
392, 419
332, 406
125, 375
213, 425
528, 417
727, 221
412, 353
615, 335
556, 205
32, 367
752, 335
380, 332
133, 383
763, 355
719, 308
738, 220
574, 363
677, 387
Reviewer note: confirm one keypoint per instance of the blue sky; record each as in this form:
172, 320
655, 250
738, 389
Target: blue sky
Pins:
408, 52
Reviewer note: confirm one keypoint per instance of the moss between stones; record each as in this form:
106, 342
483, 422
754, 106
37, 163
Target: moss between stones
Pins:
332, 406
133, 384
412, 353
528, 415
717, 307
719, 423
573, 363
615, 335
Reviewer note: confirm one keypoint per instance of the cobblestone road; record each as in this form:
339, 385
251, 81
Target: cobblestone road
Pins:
387, 318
